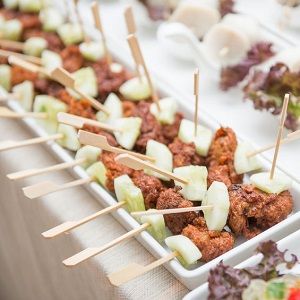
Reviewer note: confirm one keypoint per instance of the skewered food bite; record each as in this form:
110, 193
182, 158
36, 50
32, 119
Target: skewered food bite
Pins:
252, 210
211, 243
221, 153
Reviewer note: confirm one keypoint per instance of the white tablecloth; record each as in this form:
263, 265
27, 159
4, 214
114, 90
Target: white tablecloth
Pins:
31, 267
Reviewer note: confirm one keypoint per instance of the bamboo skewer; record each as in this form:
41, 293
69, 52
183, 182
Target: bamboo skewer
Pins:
138, 164
290, 138
66, 79
49, 187
280, 132
139, 60
33, 172
70, 225
7, 113
98, 24
170, 211
100, 141
8, 145
31, 59
18, 46
29, 66
93, 251
79, 122
129, 19
196, 93
134, 270
80, 22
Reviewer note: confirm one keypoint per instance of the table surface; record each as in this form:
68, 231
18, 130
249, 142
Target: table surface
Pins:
31, 266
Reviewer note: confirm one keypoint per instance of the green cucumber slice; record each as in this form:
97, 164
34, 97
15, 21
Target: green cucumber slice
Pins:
25, 94
92, 51
134, 199
278, 184
70, 33
86, 81
35, 46
189, 252
158, 226
135, 89
163, 158
5, 77
197, 182
51, 60
243, 163
126, 191
31, 6
12, 30
70, 137
217, 196
167, 112
202, 140
51, 106
10, 4
51, 19
89, 153
97, 171
114, 105
131, 128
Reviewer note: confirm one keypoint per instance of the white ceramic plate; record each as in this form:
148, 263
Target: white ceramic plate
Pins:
191, 278
287, 243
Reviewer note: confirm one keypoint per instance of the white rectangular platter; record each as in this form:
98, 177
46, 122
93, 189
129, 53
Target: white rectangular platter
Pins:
198, 274
287, 243
227, 107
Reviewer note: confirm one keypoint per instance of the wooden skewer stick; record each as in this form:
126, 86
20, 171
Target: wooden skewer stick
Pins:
49, 187
12, 45
98, 24
93, 251
139, 59
7, 145
29, 66
80, 23
7, 113
31, 59
129, 19
134, 270
138, 164
294, 135
34, 172
280, 132
79, 122
70, 225
100, 141
290, 138
170, 211
66, 79
196, 93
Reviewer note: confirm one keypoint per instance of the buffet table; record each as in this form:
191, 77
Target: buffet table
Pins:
31, 266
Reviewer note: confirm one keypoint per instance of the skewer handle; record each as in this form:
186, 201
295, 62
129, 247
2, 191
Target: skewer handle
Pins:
99, 141
90, 252
134, 270
28, 58
70, 225
34, 172
7, 145
48, 187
